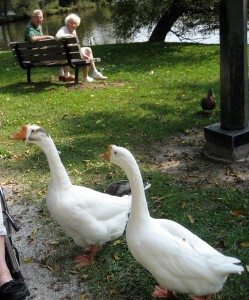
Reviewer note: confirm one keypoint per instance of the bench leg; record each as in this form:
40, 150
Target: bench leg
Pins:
28, 76
76, 74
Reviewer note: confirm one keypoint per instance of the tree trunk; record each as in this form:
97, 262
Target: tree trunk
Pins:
5, 10
165, 24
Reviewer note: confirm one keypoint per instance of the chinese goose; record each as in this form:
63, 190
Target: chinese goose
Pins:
90, 217
178, 259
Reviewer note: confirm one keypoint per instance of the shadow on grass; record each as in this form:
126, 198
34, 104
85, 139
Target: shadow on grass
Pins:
24, 88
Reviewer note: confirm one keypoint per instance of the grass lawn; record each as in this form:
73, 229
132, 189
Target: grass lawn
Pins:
149, 97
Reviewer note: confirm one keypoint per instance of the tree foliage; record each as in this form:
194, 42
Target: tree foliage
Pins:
159, 16
18, 7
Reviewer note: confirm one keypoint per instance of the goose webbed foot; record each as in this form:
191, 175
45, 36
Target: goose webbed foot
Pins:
85, 259
161, 292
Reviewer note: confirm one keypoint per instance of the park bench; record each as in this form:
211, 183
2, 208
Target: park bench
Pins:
50, 53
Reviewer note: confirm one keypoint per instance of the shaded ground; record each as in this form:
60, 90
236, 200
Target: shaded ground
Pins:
97, 84
182, 157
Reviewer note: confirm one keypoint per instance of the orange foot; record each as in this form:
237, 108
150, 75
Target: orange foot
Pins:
207, 297
161, 292
84, 260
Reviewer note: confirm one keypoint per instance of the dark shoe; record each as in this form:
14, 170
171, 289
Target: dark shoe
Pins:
68, 79
14, 290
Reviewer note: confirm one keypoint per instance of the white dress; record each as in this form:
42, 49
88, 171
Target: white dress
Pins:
64, 32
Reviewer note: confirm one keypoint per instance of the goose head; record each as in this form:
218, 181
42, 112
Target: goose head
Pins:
31, 133
119, 156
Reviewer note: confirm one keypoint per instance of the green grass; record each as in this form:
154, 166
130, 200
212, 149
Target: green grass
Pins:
143, 109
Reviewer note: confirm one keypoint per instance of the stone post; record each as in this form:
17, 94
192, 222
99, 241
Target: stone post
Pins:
229, 140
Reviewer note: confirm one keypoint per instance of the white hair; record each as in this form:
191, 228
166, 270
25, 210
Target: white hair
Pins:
73, 17
36, 12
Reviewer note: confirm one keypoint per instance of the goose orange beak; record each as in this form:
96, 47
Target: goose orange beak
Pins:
21, 135
107, 154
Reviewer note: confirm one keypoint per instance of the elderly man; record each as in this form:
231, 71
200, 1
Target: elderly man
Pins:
33, 31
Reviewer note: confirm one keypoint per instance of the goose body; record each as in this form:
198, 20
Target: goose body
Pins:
89, 217
178, 259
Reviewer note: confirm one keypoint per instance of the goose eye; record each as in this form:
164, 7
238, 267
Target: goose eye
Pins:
32, 130
115, 152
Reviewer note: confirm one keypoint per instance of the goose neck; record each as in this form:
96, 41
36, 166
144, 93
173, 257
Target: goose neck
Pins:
139, 204
58, 172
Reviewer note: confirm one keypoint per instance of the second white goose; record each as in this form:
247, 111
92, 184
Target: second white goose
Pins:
178, 259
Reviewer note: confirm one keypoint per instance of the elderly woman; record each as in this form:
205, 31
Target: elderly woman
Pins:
72, 21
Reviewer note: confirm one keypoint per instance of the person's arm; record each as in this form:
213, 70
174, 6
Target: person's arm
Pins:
62, 33
33, 35
39, 38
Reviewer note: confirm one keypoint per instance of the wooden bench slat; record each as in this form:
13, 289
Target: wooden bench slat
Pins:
31, 52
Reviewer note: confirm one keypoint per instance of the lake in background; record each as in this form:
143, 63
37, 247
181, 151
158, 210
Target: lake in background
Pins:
96, 28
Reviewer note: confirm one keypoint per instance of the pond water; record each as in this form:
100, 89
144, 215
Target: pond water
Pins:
96, 28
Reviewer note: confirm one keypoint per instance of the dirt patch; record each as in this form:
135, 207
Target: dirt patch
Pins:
183, 158
97, 84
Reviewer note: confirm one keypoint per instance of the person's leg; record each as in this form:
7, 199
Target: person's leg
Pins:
65, 74
85, 75
5, 275
9, 287
87, 53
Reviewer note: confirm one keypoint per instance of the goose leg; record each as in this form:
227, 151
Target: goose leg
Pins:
84, 260
161, 292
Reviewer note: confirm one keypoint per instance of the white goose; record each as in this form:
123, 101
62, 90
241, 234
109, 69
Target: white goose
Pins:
178, 259
90, 217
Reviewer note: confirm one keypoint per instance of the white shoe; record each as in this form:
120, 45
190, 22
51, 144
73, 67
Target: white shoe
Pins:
88, 79
98, 75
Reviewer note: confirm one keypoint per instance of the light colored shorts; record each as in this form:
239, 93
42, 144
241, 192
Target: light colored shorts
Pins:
2, 227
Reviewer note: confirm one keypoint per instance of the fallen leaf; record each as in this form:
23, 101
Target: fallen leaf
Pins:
183, 205
54, 242
116, 256
113, 291
117, 242
27, 260
83, 297
109, 277
191, 219
74, 272
238, 213
247, 267
49, 267
245, 244
34, 232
